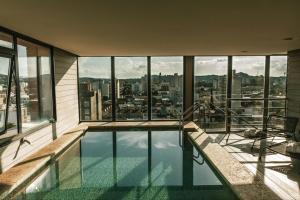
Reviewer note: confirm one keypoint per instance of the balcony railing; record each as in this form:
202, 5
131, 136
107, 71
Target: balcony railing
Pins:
238, 113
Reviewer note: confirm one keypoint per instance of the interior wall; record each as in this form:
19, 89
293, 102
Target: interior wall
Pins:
66, 91
293, 85
67, 113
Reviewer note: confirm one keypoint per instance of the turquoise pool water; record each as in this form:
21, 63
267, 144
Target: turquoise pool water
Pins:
135, 164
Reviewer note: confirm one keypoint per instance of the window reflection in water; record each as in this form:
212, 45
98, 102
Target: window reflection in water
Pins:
122, 163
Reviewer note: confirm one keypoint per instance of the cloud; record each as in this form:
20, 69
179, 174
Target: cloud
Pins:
130, 67
252, 65
167, 65
136, 67
211, 65
95, 67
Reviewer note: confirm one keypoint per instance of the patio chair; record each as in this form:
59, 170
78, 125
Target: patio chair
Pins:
279, 126
288, 130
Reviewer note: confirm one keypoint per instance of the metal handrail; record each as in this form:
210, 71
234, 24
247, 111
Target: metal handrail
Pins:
255, 99
185, 115
236, 115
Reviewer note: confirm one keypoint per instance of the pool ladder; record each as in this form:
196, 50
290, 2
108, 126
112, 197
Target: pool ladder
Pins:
183, 117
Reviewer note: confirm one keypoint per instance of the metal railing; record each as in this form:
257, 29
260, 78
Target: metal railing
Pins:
187, 114
183, 117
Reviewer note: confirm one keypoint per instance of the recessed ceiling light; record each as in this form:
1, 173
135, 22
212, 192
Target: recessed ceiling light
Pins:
288, 38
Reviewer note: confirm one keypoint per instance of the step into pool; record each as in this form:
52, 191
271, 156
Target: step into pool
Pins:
129, 164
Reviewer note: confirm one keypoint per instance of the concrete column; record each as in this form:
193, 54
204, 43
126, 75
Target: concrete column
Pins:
188, 91
293, 85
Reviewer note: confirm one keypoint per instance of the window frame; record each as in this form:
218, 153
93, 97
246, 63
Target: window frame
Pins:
149, 89
111, 89
13, 53
266, 86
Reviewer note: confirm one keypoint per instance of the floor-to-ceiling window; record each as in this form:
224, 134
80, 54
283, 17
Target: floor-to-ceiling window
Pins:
131, 88
35, 83
167, 87
95, 91
247, 91
210, 80
26, 92
8, 117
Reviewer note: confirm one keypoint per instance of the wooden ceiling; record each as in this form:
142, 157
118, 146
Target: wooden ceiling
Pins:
165, 27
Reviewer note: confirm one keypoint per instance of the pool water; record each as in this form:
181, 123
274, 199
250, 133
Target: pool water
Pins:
135, 164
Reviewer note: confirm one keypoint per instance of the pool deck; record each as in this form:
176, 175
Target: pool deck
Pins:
243, 180
279, 172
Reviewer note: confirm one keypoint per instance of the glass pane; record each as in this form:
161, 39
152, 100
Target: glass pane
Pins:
247, 84
6, 40
248, 113
167, 87
248, 76
131, 88
210, 87
277, 90
45, 86
278, 70
277, 107
12, 109
35, 83
95, 88
4, 67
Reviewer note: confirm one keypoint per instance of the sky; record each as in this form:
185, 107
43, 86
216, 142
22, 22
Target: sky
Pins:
135, 67
252, 65
128, 67
26, 62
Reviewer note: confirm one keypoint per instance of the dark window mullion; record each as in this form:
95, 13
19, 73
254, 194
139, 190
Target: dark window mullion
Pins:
266, 92
149, 87
228, 95
18, 101
38, 81
113, 92
10, 72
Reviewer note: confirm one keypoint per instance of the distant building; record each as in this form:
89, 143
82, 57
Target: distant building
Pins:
105, 90
90, 102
